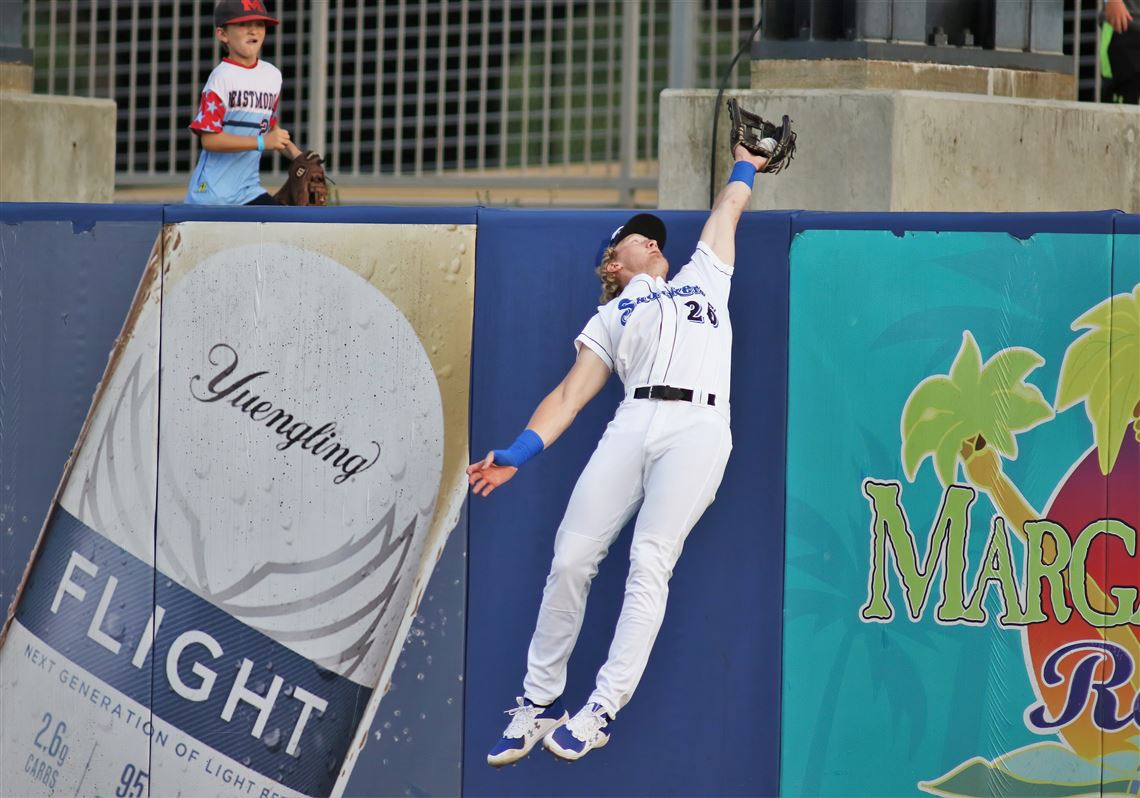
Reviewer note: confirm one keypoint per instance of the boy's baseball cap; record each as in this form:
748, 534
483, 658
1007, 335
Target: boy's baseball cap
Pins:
646, 224
231, 12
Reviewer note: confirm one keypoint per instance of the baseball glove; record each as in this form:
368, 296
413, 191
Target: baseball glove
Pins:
777, 143
307, 183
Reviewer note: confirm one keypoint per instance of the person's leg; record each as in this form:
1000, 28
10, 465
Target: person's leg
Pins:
607, 493
1124, 57
1129, 91
684, 470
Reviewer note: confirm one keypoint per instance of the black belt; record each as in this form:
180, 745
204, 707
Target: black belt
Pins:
670, 394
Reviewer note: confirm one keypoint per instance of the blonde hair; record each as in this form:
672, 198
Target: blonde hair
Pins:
611, 286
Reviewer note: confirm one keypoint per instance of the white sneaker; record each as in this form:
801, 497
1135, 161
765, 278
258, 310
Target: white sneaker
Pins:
529, 724
585, 732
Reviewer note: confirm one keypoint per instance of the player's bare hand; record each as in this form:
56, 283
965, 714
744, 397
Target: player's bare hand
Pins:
277, 139
741, 153
1117, 15
485, 476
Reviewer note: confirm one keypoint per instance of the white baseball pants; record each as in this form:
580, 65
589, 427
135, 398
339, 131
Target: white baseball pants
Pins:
666, 458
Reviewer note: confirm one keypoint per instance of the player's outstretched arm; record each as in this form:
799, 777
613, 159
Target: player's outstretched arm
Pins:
720, 230
551, 418
557, 411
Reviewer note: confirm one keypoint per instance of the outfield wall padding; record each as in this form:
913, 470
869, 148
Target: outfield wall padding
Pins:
534, 292
766, 678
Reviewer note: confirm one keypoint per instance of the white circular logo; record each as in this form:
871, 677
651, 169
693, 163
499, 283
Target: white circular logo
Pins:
301, 446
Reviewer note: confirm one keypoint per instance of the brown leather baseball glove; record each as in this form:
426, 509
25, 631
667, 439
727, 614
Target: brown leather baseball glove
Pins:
777, 143
307, 183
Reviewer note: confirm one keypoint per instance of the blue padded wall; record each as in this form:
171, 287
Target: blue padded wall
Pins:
67, 277
705, 719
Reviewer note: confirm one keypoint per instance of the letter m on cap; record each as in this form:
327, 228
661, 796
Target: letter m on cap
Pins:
252, 5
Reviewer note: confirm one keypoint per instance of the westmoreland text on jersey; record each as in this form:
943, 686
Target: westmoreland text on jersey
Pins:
670, 333
242, 101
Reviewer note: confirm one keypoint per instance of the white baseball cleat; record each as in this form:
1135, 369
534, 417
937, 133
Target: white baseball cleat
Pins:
529, 724
583, 733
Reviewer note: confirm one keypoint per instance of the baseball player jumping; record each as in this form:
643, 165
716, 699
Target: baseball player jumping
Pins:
664, 452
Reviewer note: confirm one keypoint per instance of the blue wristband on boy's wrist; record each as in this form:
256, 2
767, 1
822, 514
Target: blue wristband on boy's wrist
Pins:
261, 143
743, 172
525, 447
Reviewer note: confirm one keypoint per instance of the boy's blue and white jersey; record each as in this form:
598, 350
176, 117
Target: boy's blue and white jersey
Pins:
241, 101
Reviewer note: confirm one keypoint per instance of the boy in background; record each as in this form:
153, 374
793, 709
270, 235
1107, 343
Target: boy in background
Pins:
237, 117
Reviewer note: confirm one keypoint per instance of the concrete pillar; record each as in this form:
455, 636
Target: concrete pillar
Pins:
15, 59
56, 149
915, 151
909, 75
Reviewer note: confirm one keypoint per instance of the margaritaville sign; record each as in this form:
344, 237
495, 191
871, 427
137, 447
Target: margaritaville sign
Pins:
1075, 597
1055, 576
1051, 559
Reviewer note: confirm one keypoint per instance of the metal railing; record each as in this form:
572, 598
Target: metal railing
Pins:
443, 93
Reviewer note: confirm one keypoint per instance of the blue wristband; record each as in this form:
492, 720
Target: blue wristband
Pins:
743, 172
525, 447
261, 143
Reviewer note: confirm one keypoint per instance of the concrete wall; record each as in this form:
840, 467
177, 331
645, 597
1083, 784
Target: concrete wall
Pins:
914, 151
908, 76
15, 76
56, 149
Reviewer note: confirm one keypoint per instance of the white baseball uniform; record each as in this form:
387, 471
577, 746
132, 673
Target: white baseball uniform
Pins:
664, 457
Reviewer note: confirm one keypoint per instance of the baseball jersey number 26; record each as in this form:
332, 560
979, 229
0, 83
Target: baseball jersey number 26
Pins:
695, 313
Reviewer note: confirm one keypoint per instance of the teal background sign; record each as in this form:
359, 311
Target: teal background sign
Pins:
879, 707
